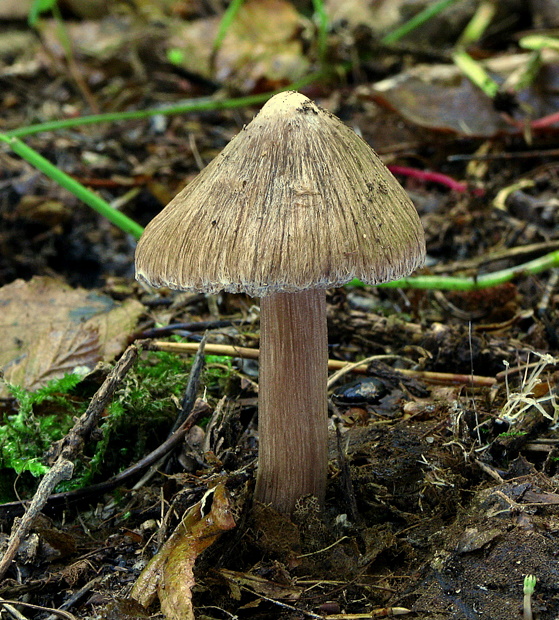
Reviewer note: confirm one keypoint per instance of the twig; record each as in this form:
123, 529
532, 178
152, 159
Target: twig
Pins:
195, 326
374, 613
69, 447
191, 389
304, 612
348, 491
58, 612
354, 366
14, 613
188, 403
75, 597
361, 367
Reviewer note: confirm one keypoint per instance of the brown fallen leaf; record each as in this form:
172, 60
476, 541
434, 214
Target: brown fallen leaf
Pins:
262, 44
50, 329
259, 585
52, 356
442, 98
169, 574
14, 9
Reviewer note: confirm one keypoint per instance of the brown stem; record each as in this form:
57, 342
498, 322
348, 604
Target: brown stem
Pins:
292, 399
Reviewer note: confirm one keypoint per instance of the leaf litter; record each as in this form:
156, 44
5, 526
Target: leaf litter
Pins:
437, 503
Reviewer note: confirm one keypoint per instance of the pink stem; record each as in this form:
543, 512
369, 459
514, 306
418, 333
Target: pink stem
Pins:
292, 399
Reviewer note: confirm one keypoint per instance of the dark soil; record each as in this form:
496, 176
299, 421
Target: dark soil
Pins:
437, 502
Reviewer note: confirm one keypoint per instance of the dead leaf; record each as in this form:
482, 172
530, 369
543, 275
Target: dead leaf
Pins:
14, 9
259, 585
169, 574
48, 212
441, 97
262, 43
473, 539
50, 329
54, 355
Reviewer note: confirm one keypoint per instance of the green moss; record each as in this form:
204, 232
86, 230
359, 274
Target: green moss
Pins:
24, 436
138, 419
28, 429
136, 422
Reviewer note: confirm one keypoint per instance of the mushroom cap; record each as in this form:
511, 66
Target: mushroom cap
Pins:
296, 200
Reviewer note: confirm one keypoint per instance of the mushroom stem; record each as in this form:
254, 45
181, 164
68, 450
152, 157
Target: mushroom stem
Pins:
292, 400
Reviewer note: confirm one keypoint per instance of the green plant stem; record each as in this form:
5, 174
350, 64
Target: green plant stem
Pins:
225, 23
416, 21
525, 76
475, 72
95, 202
449, 283
322, 19
192, 105
539, 42
479, 23
36, 8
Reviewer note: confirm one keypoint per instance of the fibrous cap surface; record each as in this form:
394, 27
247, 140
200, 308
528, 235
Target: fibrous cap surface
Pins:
295, 200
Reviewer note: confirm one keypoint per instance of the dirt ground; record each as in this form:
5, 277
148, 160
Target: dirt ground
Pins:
443, 490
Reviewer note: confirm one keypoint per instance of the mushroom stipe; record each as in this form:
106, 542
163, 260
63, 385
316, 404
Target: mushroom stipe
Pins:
296, 203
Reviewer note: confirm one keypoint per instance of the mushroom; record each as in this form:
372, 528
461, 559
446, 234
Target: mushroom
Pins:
296, 203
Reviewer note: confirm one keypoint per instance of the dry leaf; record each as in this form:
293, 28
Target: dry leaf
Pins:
14, 9
262, 43
259, 585
441, 97
50, 329
169, 574
54, 355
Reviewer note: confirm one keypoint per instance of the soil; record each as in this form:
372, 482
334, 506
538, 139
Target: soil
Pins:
440, 500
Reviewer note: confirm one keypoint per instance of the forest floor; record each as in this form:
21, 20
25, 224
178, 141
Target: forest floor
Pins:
443, 489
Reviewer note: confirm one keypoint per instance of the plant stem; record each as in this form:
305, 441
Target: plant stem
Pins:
475, 72
479, 23
292, 399
225, 23
192, 105
423, 16
95, 202
486, 280
322, 19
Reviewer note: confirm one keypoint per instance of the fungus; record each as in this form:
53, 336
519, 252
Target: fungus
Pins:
296, 203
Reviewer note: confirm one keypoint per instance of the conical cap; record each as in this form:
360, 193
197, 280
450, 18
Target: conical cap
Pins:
296, 200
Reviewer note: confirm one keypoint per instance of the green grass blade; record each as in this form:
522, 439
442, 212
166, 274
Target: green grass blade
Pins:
91, 199
474, 71
450, 283
417, 20
192, 105
322, 19
225, 23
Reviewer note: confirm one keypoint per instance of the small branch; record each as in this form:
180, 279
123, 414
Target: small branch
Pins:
361, 367
8, 605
